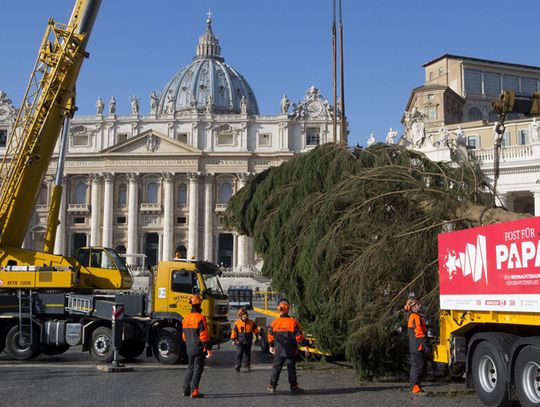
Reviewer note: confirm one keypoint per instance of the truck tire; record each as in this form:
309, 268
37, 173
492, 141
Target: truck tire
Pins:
51, 350
490, 376
15, 350
101, 348
527, 374
168, 346
131, 349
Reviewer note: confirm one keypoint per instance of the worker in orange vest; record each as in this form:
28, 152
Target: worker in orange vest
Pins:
284, 336
418, 344
242, 337
197, 339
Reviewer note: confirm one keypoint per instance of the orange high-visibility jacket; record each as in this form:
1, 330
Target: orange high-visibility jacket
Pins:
285, 334
243, 331
195, 333
417, 332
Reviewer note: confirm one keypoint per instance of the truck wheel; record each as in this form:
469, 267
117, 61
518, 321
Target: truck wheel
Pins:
51, 350
131, 349
527, 376
102, 349
490, 376
168, 347
21, 352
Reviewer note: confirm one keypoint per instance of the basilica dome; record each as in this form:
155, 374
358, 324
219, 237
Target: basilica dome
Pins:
208, 83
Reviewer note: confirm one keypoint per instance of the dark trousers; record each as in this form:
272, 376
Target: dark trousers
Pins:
194, 372
279, 361
418, 362
241, 351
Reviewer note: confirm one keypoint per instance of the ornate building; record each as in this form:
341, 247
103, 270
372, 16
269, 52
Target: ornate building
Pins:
158, 183
450, 117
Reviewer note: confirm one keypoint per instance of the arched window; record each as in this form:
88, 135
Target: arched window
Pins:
122, 194
225, 192
121, 249
151, 192
80, 193
474, 114
182, 194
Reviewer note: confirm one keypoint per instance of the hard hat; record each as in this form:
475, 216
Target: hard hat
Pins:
410, 303
195, 300
283, 306
241, 311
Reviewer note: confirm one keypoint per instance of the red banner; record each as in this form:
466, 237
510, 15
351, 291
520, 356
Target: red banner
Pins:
495, 267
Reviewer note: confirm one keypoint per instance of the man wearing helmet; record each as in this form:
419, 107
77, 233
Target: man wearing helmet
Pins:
284, 336
197, 339
242, 337
418, 344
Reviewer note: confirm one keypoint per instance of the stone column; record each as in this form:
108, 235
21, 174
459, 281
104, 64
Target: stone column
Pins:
60, 240
160, 248
133, 211
168, 217
193, 234
208, 218
536, 203
95, 201
243, 259
108, 199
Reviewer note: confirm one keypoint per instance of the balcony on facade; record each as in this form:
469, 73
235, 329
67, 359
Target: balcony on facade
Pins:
220, 207
150, 207
78, 208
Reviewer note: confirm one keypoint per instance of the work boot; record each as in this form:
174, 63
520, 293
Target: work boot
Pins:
296, 389
196, 395
417, 390
186, 393
237, 368
270, 388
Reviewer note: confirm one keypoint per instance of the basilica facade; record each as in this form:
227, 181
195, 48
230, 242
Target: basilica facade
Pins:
150, 184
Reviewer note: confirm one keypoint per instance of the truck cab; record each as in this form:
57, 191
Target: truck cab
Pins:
177, 280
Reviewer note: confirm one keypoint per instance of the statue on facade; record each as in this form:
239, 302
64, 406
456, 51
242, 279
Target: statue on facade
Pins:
461, 140
153, 102
371, 140
243, 105
390, 136
414, 122
285, 103
134, 105
534, 130
112, 106
99, 106
443, 141
170, 102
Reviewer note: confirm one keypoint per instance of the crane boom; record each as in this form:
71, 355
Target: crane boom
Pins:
49, 98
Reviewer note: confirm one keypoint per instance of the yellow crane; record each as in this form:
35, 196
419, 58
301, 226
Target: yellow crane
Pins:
49, 103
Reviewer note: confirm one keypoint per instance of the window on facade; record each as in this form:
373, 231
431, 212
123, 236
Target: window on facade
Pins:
492, 84
473, 81
121, 137
265, 140
151, 192
431, 76
120, 220
474, 114
80, 140
225, 192
79, 220
523, 137
122, 194
506, 139
226, 139
181, 220
313, 136
431, 113
529, 85
441, 71
473, 142
3, 138
511, 82
80, 193
430, 96
182, 137
182, 194
42, 197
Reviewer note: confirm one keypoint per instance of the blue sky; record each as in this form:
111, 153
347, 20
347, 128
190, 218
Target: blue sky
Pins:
280, 46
